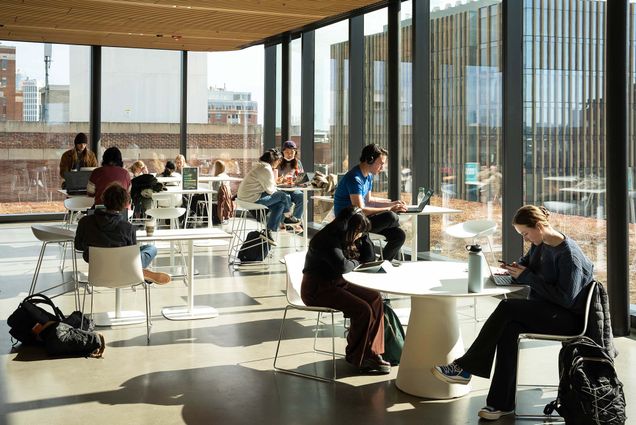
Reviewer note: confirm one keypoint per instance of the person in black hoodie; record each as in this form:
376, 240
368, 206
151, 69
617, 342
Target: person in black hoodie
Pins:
337, 249
106, 228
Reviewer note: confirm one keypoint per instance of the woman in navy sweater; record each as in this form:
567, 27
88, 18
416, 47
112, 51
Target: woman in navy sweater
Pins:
337, 249
558, 273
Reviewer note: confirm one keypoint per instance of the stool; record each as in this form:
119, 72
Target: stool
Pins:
173, 215
57, 235
239, 225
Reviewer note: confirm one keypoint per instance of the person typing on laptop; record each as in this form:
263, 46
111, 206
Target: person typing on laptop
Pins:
558, 274
355, 189
78, 157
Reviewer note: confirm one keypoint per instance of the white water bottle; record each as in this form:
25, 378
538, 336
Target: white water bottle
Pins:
475, 279
420, 194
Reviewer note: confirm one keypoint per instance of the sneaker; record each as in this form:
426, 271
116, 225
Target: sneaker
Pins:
291, 220
491, 414
160, 278
267, 236
451, 373
375, 364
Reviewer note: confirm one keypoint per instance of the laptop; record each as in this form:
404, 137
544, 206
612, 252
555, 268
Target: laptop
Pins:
76, 182
301, 180
415, 209
498, 279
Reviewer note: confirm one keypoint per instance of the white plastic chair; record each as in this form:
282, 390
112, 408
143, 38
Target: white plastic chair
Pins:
294, 263
75, 206
240, 227
117, 268
171, 214
544, 337
56, 235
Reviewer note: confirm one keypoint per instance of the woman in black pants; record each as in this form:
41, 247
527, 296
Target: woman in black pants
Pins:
337, 249
558, 273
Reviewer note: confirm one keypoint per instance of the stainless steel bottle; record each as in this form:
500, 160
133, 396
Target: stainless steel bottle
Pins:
475, 279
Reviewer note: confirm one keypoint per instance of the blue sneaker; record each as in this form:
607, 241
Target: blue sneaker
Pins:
451, 373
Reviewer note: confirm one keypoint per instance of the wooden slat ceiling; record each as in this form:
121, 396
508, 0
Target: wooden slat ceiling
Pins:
194, 25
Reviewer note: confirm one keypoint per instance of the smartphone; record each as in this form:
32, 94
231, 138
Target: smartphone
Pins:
503, 263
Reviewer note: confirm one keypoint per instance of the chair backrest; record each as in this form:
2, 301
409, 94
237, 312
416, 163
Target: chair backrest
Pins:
294, 263
165, 213
52, 233
588, 305
472, 229
78, 203
115, 267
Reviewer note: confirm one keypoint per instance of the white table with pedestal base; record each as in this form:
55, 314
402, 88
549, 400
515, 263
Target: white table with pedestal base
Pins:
433, 335
188, 311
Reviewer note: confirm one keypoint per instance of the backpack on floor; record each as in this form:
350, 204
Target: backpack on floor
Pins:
255, 247
589, 389
393, 335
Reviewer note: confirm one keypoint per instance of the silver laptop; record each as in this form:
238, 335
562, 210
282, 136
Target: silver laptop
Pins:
498, 279
76, 182
414, 209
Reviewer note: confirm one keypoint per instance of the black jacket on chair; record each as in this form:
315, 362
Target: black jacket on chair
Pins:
599, 323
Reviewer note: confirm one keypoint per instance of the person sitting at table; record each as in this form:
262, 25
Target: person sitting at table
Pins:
288, 169
259, 185
337, 249
180, 162
78, 157
137, 168
106, 228
355, 189
112, 170
558, 274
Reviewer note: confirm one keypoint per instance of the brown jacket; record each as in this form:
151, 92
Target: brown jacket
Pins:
70, 157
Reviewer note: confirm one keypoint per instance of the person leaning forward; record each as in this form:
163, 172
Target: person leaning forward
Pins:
355, 189
78, 157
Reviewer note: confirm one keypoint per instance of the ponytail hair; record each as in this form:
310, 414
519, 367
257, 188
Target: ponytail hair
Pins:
530, 215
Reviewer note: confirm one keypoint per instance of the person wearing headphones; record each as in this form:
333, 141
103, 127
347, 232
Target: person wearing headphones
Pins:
355, 189
337, 249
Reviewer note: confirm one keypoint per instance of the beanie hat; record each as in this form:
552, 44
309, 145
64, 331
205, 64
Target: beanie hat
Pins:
289, 145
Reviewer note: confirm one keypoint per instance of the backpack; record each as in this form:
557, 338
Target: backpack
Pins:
589, 389
255, 248
393, 335
141, 190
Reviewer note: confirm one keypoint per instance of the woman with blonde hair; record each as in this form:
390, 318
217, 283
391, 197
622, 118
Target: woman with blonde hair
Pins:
558, 274
180, 162
138, 168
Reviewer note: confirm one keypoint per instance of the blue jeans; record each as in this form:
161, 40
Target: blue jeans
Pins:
147, 252
278, 203
297, 199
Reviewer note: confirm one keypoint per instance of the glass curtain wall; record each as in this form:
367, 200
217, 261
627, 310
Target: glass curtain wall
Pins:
564, 119
331, 106
279, 79
466, 119
44, 103
406, 101
631, 148
295, 51
225, 116
141, 104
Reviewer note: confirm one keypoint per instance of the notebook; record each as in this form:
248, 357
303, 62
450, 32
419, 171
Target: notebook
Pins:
76, 182
414, 209
498, 279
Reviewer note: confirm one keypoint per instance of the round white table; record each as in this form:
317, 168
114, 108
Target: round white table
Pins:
433, 335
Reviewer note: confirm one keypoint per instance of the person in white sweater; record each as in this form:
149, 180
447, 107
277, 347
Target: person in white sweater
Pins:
259, 185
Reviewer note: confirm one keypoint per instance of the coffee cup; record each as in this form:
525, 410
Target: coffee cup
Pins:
150, 227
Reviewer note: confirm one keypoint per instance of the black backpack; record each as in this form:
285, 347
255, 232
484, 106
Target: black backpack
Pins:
255, 247
589, 389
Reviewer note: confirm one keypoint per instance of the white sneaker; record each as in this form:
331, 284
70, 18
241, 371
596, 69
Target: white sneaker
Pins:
492, 414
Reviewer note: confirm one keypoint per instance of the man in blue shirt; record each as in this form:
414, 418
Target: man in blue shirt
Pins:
355, 189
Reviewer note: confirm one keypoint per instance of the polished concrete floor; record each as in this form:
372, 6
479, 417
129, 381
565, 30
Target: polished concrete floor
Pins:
219, 371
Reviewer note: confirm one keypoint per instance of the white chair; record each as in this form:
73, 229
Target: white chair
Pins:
117, 268
240, 227
556, 338
171, 214
75, 206
56, 235
474, 230
294, 263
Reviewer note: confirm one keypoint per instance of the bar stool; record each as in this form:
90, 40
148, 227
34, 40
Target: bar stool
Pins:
75, 206
171, 214
56, 235
239, 225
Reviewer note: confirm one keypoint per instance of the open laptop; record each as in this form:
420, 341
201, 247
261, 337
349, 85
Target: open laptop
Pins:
76, 182
498, 279
301, 180
415, 209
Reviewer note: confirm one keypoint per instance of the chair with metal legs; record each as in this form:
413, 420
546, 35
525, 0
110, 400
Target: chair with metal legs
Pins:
556, 338
294, 263
240, 228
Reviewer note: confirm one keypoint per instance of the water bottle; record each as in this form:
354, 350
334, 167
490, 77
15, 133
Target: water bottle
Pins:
475, 280
420, 194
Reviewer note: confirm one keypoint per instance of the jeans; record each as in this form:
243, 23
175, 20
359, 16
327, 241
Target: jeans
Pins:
387, 224
499, 334
297, 199
278, 203
147, 252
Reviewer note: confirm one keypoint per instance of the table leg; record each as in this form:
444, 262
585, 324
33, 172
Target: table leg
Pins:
433, 337
190, 311
414, 221
305, 192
